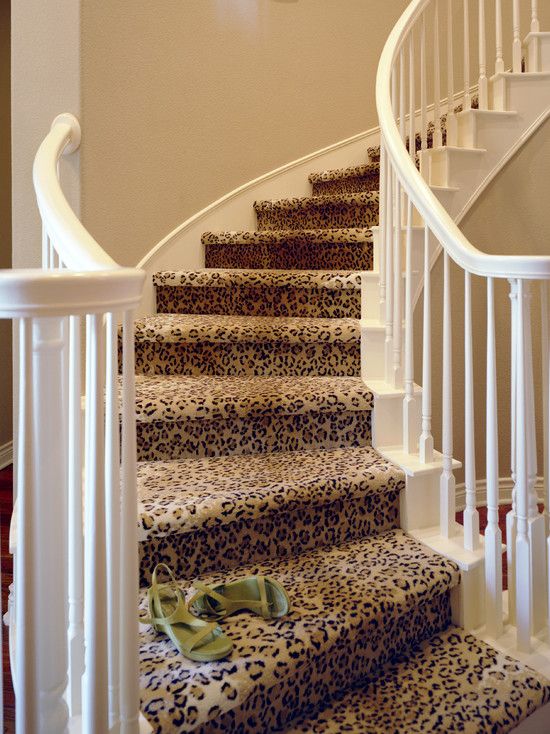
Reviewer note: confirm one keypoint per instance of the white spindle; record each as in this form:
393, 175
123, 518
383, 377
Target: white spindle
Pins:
426, 438
409, 407
388, 246
129, 652
535, 25
483, 83
95, 698
76, 537
397, 376
412, 109
423, 89
471, 515
438, 141
451, 117
45, 249
447, 483
516, 44
112, 496
467, 102
26, 573
402, 91
499, 63
511, 518
382, 230
545, 347
524, 591
493, 534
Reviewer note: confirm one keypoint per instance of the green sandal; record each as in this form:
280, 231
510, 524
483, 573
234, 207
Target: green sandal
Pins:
197, 640
259, 594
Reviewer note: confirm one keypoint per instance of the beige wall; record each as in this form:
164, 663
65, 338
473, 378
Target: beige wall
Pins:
513, 216
5, 217
184, 101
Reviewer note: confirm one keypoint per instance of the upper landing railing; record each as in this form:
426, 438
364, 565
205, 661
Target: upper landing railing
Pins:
424, 58
75, 634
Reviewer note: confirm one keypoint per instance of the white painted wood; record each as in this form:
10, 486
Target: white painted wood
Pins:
129, 654
426, 444
383, 221
535, 24
423, 87
397, 373
388, 247
447, 486
410, 435
499, 61
95, 707
483, 84
471, 515
451, 117
516, 43
493, 534
545, 363
75, 519
467, 99
437, 140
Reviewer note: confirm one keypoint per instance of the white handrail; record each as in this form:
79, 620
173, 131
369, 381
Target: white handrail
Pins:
461, 250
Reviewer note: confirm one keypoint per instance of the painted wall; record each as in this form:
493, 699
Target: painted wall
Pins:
184, 101
5, 217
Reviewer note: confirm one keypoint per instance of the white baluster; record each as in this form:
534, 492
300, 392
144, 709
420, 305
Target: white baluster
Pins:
388, 246
483, 84
516, 44
129, 651
438, 140
535, 25
423, 90
471, 515
545, 348
95, 698
75, 517
412, 110
447, 483
524, 596
409, 403
451, 116
397, 375
426, 438
402, 89
26, 574
45, 249
112, 496
382, 231
499, 63
467, 103
511, 517
493, 534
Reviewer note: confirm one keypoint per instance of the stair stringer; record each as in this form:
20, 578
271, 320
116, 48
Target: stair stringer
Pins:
463, 173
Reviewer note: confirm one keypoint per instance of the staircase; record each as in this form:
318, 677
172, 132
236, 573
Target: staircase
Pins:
255, 456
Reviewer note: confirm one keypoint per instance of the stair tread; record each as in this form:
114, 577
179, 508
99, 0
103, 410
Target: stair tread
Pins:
297, 203
229, 277
336, 174
346, 235
452, 682
343, 595
192, 494
190, 328
178, 397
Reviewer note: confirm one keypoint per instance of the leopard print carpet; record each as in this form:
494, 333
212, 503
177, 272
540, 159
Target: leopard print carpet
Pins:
312, 212
346, 180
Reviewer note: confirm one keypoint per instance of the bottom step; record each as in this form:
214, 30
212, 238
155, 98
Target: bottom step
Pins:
450, 683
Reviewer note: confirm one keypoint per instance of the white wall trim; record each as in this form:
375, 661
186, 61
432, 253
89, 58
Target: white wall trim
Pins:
506, 486
6, 455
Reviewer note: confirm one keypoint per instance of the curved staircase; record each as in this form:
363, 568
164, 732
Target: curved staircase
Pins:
255, 456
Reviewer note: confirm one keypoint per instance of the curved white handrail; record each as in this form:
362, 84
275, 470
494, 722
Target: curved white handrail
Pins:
60, 221
462, 251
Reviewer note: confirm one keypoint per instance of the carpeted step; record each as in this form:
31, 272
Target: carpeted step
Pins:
305, 293
374, 154
212, 514
291, 249
334, 211
346, 180
354, 607
183, 344
450, 683
180, 416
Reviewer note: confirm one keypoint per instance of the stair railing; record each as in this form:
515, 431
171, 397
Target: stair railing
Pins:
75, 561
409, 117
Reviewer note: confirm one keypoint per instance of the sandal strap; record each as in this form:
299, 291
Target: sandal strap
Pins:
158, 591
226, 604
199, 636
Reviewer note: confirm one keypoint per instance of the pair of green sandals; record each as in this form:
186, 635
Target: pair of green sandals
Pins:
193, 627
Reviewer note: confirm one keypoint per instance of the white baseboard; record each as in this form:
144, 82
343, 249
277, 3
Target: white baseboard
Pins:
6, 454
506, 487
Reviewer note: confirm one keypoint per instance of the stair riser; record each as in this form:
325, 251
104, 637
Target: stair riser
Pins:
347, 185
159, 440
350, 256
328, 216
242, 359
265, 301
353, 657
286, 533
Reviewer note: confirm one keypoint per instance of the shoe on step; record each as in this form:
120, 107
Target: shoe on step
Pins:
259, 594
